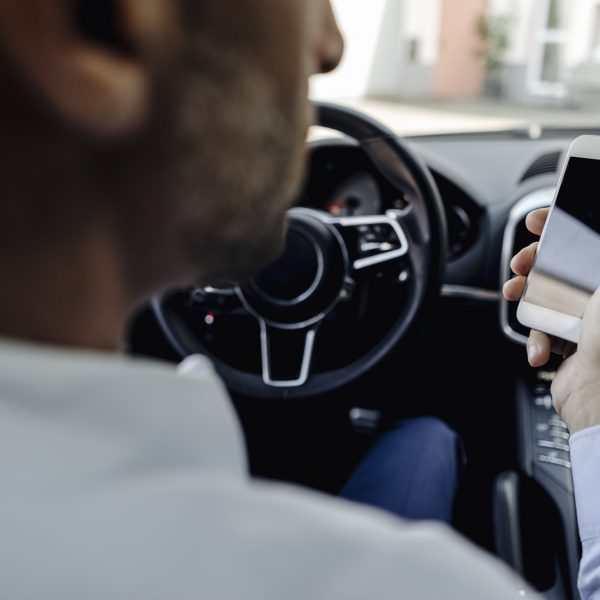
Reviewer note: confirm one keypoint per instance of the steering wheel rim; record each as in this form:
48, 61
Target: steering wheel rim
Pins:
424, 227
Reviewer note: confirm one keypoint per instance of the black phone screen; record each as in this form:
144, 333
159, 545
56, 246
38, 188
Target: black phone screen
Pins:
567, 267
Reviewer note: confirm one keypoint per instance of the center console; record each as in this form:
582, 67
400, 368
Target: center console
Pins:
535, 518
535, 521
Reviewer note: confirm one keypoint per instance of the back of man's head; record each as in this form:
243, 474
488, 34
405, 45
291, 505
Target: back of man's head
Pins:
175, 127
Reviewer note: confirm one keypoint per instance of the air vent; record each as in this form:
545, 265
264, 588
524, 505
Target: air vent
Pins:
547, 163
517, 237
460, 230
462, 215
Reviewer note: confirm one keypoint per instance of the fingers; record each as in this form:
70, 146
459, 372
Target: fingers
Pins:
536, 220
513, 288
539, 347
522, 262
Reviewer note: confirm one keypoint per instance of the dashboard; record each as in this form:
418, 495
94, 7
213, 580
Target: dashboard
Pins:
488, 183
463, 364
506, 175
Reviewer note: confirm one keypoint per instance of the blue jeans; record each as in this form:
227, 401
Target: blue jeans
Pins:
412, 470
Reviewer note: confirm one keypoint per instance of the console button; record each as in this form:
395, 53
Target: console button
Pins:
544, 401
553, 460
556, 421
558, 433
553, 445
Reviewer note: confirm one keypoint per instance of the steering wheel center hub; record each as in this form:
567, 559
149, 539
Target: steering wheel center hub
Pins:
297, 273
306, 281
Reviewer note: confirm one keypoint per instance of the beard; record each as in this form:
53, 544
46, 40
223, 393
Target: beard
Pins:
240, 154
219, 165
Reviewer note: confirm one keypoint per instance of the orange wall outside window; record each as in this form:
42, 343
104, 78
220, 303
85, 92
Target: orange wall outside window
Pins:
459, 72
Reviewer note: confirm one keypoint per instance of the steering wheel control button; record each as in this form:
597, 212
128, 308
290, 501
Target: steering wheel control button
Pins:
372, 240
404, 276
209, 298
347, 289
199, 296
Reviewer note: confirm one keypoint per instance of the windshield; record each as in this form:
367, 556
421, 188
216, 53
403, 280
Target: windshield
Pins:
451, 66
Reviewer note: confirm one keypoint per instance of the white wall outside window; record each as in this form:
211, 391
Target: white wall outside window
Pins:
378, 34
549, 48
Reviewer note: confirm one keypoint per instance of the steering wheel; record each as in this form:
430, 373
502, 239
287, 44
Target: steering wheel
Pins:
324, 257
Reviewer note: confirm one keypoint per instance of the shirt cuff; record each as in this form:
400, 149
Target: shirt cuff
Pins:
585, 463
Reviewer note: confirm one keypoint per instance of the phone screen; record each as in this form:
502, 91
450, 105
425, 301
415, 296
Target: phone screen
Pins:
567, 266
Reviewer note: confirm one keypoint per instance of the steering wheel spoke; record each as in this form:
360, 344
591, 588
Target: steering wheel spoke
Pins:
286, 354
372, 240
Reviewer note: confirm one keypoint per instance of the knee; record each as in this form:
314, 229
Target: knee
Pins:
439, 431
432, 428
434, 434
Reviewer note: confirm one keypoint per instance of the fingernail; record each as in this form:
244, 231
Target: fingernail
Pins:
533, 351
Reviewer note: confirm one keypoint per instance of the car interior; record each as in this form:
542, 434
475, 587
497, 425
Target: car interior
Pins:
386, 305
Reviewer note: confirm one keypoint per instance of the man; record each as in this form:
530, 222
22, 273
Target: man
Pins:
145, 143
576, 397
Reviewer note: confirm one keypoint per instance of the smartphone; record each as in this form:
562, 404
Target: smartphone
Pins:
566, 269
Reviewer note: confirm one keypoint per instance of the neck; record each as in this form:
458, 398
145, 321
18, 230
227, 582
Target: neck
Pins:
67, 294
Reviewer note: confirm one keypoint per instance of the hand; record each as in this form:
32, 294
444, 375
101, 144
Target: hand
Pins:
540, 345
576, 387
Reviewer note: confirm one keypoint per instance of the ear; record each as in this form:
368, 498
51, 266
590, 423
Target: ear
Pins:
93, 61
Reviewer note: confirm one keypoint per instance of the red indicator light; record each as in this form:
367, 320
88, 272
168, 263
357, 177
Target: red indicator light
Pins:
209, 319
336, 207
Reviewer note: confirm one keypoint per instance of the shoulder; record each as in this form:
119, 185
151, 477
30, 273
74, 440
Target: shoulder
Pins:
218, 537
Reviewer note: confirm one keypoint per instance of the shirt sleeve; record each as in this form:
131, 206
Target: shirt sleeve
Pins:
585, 460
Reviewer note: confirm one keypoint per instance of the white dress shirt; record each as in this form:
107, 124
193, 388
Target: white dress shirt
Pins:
123, 480
585, 461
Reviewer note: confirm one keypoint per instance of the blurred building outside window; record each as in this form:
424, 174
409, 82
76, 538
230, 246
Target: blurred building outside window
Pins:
488, 55
550, 48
